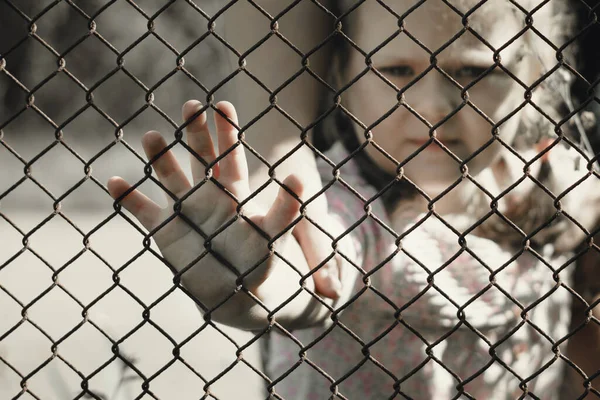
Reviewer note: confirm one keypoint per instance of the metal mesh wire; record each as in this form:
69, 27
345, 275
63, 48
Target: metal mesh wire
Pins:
85, 177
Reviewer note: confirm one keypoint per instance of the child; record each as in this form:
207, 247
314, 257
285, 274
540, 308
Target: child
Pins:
453, 264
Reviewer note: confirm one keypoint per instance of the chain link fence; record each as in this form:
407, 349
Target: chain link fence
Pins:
90, 309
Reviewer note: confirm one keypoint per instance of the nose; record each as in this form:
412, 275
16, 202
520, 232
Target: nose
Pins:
434, 97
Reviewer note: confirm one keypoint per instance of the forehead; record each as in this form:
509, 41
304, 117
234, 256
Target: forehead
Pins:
434, 23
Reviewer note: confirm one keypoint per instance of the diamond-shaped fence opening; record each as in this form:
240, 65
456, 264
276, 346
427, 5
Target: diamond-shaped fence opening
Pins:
436, 240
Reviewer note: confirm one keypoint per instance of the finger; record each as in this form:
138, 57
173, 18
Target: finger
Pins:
327, 278
166, 166
145, 210
285, 208
233, 168
199, 140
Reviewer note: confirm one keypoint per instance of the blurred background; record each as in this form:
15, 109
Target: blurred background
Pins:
53, 287
119, 94
48, 278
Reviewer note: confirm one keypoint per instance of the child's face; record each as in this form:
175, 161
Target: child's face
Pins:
434, 97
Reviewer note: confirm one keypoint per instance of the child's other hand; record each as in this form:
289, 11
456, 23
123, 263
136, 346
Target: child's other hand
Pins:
209, 208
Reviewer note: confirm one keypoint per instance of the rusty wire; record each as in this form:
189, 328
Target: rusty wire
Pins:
336, 34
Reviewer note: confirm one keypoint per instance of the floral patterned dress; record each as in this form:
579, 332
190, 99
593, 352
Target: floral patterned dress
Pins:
429, 318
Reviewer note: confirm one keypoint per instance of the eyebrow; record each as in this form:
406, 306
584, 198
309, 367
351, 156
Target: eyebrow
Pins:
508, 56
476, 57
475, 61
485, 59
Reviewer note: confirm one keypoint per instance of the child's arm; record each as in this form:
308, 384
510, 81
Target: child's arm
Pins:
583, 348
209, 208
582, 202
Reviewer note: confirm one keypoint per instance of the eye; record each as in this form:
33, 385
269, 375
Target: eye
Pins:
470, 71
397, 70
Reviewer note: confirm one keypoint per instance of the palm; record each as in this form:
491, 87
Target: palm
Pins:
205, 235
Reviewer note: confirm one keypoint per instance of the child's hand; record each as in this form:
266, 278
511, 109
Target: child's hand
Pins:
209, 208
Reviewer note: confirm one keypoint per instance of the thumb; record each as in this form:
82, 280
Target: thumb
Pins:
317, 248
285, 208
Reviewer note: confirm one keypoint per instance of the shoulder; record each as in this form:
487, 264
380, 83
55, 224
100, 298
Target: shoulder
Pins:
353, 202
344, 185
